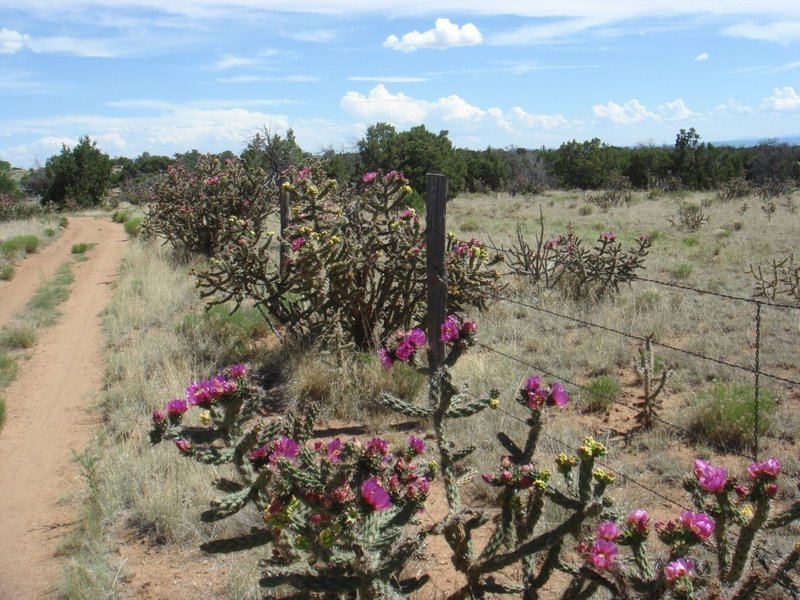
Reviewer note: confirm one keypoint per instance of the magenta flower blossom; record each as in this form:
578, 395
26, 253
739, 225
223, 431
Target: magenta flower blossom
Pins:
369, 177
450, 330
175, 408
608, 530
770, 468
681, 567
404, 351
416, 337
700, 524
603, 554
771, 490
213, 180
238, 371
537, 398
417, 489
375, 495
376, 447
303, 173
638, 520
408, 213
468, 328
158, 416
558, 395
392, 175
183, 445
532, 384
297, 243
343, 494
334, 450
385, 357
711, 479
284, 447
416, 444
608, 236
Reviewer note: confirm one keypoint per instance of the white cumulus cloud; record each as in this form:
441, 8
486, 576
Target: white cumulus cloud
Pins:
380, 103
702, 57
675, 111
444, 35
538, 121
12, 41
632, 111
784, 99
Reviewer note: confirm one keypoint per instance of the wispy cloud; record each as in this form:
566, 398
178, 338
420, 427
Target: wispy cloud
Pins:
389, 78
268, 78
444, 35
702, 57
318, 36
784, 99
543, 32
231, 61
12, 41
781, 32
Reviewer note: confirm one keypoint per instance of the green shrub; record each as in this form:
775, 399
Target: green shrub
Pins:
6, 272
8, 369
63, 222
81, 248
120, 216
600, 394
469, 226
682, 271
18, 337
133, 225
585, 210
724, 414
49, 232
691, 241
28, 243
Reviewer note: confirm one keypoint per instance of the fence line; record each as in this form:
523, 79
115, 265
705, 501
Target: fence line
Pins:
602, 464
644, 339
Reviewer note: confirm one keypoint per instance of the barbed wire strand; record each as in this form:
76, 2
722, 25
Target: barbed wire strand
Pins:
669, 284
643, 339
596, 394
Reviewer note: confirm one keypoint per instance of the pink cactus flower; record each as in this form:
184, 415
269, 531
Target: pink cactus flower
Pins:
334, 450
700, 524
284, 447
175, 408
404, 351
237, 371
416, 337
770, 468
369, 177
711, 479
158, 416
638, 520
450, 330
182, 445
681, 567
608, 530
469, 327
416, 444
375, 495
603, 554
558, 395
297, 243
385, 358
608, 236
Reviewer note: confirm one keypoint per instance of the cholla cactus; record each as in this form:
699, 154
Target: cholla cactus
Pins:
192, 208
645, 368
353, 259
336, 514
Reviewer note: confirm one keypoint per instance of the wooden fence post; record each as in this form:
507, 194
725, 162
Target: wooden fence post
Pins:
435, 240
283, 204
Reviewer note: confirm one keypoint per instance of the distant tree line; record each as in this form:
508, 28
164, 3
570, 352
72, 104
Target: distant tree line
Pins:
84, 175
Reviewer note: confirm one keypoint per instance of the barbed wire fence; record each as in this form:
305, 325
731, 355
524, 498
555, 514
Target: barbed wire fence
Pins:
437, 277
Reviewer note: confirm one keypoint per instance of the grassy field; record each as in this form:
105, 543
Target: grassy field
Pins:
159, 339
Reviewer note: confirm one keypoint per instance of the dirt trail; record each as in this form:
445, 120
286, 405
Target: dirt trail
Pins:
46, 407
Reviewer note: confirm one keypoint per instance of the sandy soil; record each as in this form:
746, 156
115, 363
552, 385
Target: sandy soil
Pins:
48, 415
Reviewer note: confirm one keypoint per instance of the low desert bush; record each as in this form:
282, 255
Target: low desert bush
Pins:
600, 394
28, 243
133, 225
723, 415
17, 337
7, 272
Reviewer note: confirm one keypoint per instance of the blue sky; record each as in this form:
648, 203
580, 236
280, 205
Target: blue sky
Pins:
167, 76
